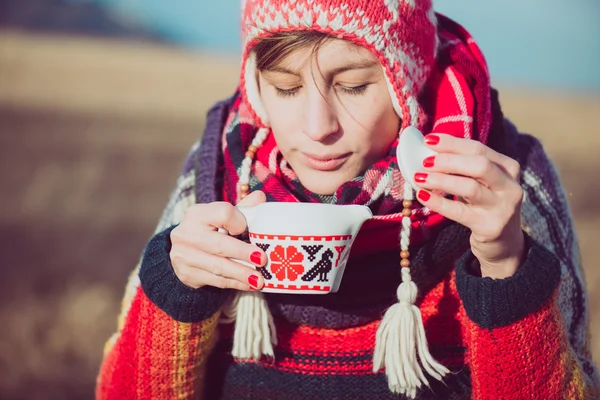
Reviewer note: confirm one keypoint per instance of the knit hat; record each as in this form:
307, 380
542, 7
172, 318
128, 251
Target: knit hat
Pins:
402, 34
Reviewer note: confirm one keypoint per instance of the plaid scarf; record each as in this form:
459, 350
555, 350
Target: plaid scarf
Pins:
456, 99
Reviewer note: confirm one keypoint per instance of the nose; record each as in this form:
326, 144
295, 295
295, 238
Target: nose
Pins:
320, 117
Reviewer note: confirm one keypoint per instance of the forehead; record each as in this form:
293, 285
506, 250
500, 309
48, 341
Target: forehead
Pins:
331, 54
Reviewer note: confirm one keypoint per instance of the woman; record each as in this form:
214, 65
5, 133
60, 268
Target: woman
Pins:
325, 90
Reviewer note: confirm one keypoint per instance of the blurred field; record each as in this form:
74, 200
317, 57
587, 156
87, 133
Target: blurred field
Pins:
92, 135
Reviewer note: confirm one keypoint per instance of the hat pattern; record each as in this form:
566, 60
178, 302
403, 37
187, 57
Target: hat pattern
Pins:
402, 34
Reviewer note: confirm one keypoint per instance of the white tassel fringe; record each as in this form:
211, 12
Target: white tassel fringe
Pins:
400, 335
254, 334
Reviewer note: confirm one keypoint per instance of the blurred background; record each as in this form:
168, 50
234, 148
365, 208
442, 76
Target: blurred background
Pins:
100, 101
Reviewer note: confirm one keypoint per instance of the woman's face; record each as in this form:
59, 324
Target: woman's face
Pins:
331, 114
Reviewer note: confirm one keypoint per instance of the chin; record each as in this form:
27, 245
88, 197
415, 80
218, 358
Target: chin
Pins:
322, 190
322, 183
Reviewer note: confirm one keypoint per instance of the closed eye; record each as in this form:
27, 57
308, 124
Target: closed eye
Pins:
353, 90
287, 92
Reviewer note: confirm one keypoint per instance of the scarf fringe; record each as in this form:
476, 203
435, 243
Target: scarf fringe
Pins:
254, 334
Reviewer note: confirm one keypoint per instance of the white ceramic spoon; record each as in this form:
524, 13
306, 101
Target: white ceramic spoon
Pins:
410, 154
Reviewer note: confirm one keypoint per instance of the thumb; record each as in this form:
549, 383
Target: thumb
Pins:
237, 224
253, 199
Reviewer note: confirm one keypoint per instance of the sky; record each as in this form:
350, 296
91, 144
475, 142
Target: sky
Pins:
549, 43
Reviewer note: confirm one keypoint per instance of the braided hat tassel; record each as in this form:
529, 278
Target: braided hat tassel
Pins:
401, 334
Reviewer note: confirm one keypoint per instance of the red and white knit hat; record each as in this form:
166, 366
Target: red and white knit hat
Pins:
402, 34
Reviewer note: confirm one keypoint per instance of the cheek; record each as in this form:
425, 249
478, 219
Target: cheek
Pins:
388, 121
383, 123
283, 131
281, 116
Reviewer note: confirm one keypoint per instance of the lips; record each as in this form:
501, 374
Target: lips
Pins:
327, 162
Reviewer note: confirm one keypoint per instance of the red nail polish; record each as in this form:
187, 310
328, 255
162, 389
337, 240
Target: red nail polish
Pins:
423, 195
253, 281
432, 140
256, 258
420, 177
429, 161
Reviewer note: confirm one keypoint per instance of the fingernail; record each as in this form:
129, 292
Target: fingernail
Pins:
423, 195
432, 140
420, 177
429, 161
256, 258
253, 281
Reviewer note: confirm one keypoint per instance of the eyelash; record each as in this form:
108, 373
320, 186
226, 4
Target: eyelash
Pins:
353, 91
356, 90
287, 92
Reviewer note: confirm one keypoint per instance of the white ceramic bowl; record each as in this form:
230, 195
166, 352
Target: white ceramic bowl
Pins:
411, 152
307, 244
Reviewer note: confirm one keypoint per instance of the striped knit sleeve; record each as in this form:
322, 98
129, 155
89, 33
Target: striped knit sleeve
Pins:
166, 330
154, 355
528, 336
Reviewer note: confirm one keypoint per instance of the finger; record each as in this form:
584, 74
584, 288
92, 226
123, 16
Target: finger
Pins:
230, 247
220, 245
188, 261
219, 214
253, 199
477, 167
234, 225
444, 143
197, 278
471, 190
451, 209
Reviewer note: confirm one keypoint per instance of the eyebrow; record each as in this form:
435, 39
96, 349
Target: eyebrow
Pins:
365, 64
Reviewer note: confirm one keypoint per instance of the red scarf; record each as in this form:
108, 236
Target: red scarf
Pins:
457, 100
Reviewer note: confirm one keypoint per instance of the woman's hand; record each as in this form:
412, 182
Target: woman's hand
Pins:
489, 196
200, 255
